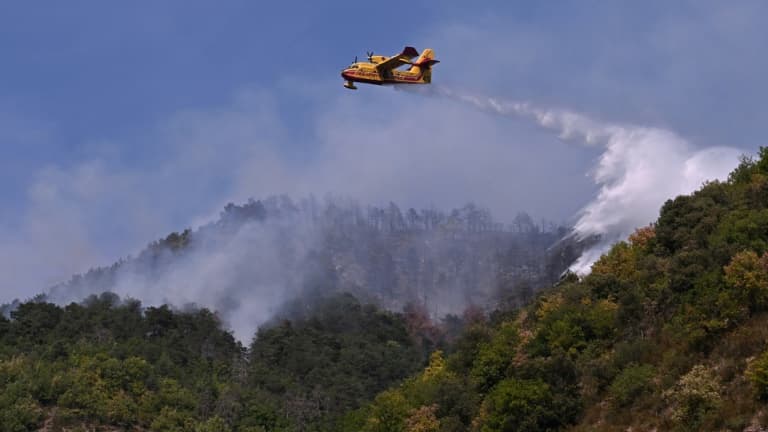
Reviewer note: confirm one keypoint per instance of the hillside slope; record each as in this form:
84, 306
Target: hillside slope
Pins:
668, 332
113, 365
261, 254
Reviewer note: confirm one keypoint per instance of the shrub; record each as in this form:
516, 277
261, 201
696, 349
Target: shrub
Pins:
519, 405
747, 274
631, 383
757, 373
696, 394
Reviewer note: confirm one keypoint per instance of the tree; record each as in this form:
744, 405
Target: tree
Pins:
388, 414
213, 424
696, 394
422, 419
519, 405
493, 358
631, 383
757, 373
747, 274
172, 420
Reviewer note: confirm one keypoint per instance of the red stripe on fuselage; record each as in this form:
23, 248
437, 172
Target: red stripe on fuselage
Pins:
375, 78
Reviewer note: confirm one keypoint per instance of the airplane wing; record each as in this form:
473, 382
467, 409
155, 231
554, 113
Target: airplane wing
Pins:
397, 60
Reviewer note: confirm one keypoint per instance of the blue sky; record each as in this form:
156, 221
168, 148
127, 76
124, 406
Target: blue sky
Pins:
121, 122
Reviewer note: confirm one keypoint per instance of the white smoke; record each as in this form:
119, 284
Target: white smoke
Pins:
245, 275
639, 169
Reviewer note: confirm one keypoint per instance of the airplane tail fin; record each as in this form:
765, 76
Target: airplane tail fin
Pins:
423, 65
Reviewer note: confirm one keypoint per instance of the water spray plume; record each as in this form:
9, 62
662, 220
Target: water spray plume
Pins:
639, 168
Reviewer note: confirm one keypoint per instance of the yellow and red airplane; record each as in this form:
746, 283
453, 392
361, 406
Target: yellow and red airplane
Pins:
382, 70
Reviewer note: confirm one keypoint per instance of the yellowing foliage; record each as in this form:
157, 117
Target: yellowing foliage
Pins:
549, 304
696, 394
423, 419
642, 236
435, 368
620, 262
748, 274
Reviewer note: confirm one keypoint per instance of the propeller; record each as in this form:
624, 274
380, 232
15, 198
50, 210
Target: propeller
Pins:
370, 55
355, 60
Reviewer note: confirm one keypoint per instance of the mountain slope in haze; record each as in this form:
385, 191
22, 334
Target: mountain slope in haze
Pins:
259, 255
668, 332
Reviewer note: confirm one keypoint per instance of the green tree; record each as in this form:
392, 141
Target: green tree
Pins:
213, 424
634, 381
519, 405
388, 413
494, 357
19, 414
172, 420
757, 373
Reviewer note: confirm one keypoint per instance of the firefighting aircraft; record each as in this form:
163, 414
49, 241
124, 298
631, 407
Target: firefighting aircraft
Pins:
382, 70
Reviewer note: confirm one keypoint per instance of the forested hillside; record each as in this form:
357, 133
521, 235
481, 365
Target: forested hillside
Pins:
265, 253
668, 332
107, 362
111, 364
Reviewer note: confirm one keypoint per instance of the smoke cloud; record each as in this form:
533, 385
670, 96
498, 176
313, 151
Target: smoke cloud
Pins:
274, 256
451, 156
638, 170
244, 270
417, 155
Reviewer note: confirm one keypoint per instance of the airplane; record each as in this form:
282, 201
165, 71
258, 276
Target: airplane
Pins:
382, 70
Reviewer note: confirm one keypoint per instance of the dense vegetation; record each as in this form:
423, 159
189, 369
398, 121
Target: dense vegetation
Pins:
668, 332
112, 362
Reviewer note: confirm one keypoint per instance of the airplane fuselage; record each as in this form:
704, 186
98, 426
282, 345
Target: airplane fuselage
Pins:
367, 73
